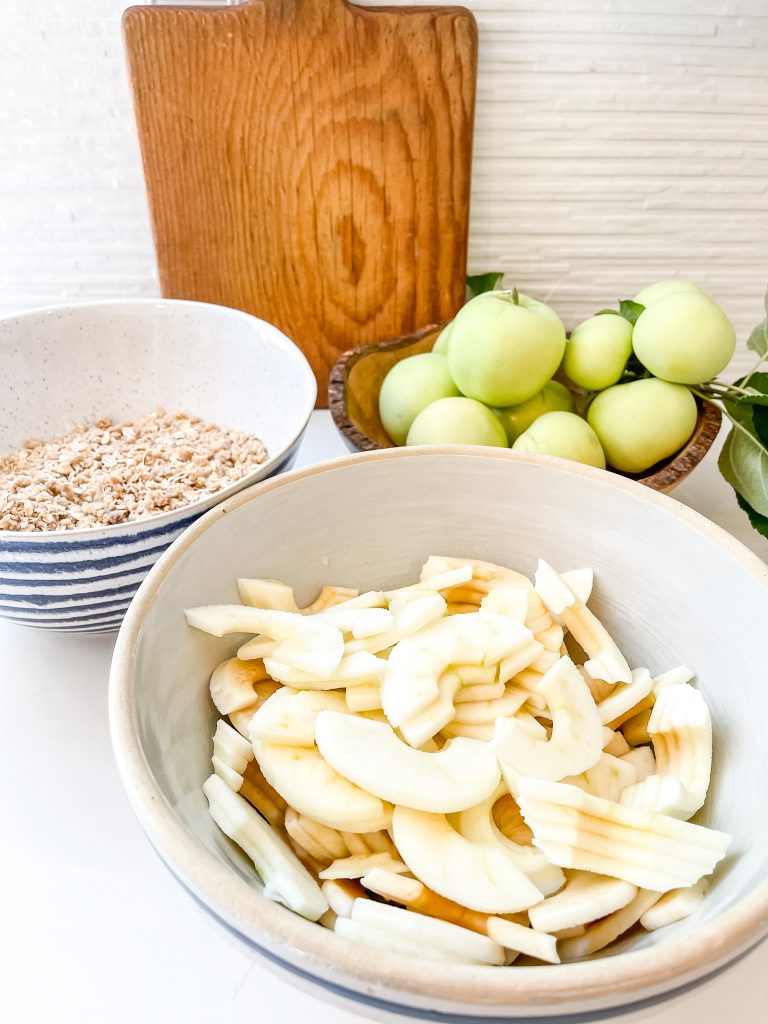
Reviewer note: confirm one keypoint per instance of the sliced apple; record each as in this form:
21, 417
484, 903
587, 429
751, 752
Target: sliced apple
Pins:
480, 876
585, 898
577, 731
652, 851
360, 667
232, 684
285, 878
371, 756
606, 660
288, 716
306, 781
681, 729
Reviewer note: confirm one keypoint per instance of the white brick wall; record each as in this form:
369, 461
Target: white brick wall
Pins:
617, 141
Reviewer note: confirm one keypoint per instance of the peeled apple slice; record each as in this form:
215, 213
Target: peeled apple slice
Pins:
477, 825
370, 755
232, 684
360, 622
606, 660
306, 781
285, 878
360, 863
364, 697
428, 722
410, 615
440, 581
681, 729
580, 581
352, 669
485, 712
477, 875
389, 942
652, 851
509, 601
230, 747
417, 662
609, 777
674, 906
306, 643
623, 698
288, 716
267, 594
576, 743
452, 938
608, 929
585, 898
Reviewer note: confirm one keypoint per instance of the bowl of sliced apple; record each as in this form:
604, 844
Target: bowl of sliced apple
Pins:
457, 731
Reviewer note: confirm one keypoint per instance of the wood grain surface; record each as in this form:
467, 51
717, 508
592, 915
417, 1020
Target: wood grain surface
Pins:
353, 398
308, 161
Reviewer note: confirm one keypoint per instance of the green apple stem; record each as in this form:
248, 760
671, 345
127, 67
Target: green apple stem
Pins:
753, 371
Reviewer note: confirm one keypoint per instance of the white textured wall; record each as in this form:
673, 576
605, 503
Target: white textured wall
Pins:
617, 141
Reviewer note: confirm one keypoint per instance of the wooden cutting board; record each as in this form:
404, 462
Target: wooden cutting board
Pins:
309, 161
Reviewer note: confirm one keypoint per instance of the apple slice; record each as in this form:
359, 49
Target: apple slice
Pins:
288, 716
371, 755
606, 660
577, 731
452, 938
480, 876
585, 898
306, 643
306, 781
285, 878
652, 851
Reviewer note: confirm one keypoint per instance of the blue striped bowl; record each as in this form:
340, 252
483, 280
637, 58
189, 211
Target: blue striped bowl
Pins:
69, 364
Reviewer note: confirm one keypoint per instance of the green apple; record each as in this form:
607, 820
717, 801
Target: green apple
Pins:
684, 338
441, 344
661, 289
504, 347
553, 397
565, 435
410, 386
457, 421
598, 350
642, 422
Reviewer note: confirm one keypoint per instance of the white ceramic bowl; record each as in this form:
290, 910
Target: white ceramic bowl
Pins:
671, 586
69, 364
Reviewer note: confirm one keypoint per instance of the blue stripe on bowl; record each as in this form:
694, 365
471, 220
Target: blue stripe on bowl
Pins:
44, 567
54, 585
76, 621
136, 534
10, 601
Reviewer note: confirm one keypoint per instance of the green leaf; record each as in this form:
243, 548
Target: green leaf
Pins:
757, 382
479, 283
759, 523
744, 464
752, 412
630, 310
758, 339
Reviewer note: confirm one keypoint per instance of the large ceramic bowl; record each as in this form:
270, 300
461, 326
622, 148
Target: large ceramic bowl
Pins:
671, 586
70, 364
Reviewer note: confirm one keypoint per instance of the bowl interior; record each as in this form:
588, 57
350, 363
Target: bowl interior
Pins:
65, 366
666, 586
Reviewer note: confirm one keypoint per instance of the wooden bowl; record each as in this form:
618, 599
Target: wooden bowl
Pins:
353, 398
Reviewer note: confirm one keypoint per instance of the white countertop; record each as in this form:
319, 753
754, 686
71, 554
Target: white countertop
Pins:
92, 926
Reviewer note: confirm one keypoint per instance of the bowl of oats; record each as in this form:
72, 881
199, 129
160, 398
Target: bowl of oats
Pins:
121, 422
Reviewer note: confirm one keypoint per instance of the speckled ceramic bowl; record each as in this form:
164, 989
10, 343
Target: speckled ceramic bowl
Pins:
671, 587
69, 364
